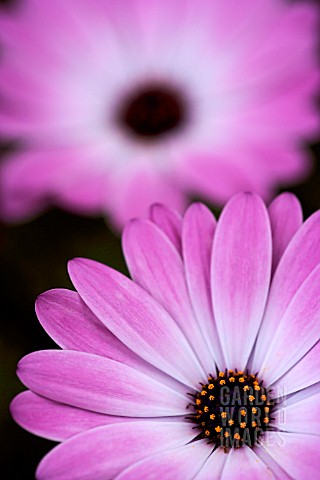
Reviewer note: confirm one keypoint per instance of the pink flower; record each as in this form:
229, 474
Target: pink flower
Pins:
120, 104
123, 395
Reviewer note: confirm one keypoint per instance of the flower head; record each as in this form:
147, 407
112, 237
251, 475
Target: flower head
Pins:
157, 376
120, 104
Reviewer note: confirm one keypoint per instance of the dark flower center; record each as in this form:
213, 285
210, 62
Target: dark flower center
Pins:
231, 410
153, 111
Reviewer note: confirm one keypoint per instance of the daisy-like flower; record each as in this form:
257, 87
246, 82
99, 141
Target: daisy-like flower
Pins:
120, 104
233, 305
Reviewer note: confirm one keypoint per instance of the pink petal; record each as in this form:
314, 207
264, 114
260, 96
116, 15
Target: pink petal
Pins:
99, 384
244, 464
300, 417
297, 332
197, 236
134, 191
53, 420
303, 374
296, 453
286, 218
136, 319
103, 452
72, 325
298, 261
169, 221
240, 275
174, 464
213, 467
159, 270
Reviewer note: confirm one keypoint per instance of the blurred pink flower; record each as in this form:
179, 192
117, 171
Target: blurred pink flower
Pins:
119, 104
242, 294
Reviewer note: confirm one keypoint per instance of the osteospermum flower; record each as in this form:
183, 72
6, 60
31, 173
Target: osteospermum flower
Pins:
119, 104
123, 395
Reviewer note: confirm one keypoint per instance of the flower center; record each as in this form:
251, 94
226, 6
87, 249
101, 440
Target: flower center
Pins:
153, 111
231, 410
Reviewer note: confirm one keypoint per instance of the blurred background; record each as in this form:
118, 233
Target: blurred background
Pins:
33, 258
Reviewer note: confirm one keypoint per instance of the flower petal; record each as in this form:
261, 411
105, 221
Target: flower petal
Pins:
244, 464
159, 270
297, 454
174, 464
286, 218
197, 236
53, 420
136, 319
300, 417
169, 221
72, 325
297, 332
303, 374
101, 453
99, 384
213, 467
300, 258
240, 275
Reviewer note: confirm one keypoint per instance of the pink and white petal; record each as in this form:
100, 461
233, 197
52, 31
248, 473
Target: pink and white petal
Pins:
298, 261
244, 464
136, 318
101, 453
297, 333
240, 275
159, 270
98, 384
133, 193
213, 467
169, 221
197, 236
296, 453
286, 218
72, 325
299, 417
181, 463
53, 420
303, 374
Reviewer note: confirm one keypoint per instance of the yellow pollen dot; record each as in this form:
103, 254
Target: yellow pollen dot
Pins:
237, 436
203, 423
246, 387
266, 409
241, 379
256, 387
263, 397
266, 420
255, 382
243, 412
221, 374
222, 382
223, 414
209, 379
204, 392
200, 412
218, 429
210, 386
243, 424
231, 422
232, 379
206, 409
240, 372
207, 433
211, 397
226, 434
198, 401
251, 398
212, 416
230, 371
254, 410
254, 424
